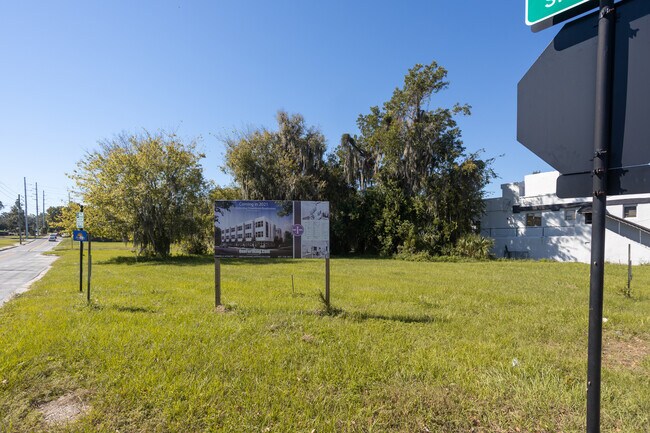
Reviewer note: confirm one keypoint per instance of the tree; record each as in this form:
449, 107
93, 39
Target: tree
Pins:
52, 215
15, 218
286, 164
289, 164
147, 188
428, 191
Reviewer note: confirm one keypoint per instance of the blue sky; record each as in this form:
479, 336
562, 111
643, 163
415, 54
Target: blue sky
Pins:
74, 73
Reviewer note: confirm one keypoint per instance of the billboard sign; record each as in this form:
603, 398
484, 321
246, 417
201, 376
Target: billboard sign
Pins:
271, 229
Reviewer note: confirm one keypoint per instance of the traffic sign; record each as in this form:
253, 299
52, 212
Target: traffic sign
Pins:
80, 235
556, 100
80, 220
540, 10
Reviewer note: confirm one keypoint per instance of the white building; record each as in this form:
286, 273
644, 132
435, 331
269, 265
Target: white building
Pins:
530, 221
258, 232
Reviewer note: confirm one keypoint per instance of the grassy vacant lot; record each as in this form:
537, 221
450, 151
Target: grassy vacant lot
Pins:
415, 347
6, 241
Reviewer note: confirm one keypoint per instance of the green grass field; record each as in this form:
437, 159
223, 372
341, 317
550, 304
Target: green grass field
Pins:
413, 347
6, 241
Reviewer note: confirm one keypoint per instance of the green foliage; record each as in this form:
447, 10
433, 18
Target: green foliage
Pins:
14, 219
52, 216
474, 246
427, 190
286, 164
147, 188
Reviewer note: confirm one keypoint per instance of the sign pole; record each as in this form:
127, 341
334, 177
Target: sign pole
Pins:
81, 266
629, 269
602, 138
89, 268
327, 281
217, 282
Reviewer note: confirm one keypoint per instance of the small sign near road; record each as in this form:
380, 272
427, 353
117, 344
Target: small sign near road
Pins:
80, 235
541, 10
80, 220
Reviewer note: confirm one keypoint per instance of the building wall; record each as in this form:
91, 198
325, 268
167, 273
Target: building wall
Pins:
559, 238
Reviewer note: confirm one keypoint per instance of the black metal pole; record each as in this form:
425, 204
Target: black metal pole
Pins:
217, 282
81, 266
89, 268
327, 281
602, 138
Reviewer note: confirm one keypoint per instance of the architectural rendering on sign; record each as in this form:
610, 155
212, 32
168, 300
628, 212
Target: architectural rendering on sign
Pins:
267, 228
530, 221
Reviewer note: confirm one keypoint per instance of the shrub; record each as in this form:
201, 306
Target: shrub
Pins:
473, 246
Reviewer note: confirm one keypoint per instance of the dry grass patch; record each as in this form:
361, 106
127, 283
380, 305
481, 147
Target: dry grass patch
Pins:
65, 409
625, 352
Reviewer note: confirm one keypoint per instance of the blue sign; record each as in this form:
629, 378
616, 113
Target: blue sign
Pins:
80, 235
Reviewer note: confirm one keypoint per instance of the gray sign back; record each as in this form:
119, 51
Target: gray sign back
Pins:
556, 97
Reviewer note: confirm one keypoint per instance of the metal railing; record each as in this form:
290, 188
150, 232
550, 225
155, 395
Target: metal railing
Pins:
535, 232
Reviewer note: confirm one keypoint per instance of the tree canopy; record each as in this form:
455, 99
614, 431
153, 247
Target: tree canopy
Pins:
429, 191
147, 188
404, 184
286, 164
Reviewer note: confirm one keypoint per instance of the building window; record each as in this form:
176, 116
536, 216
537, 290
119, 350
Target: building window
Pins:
587, 217
570, 214
629, 211
533, 220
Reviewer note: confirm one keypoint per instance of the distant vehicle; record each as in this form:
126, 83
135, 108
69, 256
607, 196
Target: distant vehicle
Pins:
52, 237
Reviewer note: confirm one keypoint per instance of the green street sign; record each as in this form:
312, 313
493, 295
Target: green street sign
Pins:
540, 10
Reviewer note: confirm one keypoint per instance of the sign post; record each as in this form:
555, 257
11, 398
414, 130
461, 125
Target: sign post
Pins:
82, 236
217, 282
591, 125
90, 264
81, 266
602, 138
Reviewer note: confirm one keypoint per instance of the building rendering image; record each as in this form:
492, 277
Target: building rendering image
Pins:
530, 221
259, 232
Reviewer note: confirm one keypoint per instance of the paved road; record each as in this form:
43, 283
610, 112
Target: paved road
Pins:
21, 265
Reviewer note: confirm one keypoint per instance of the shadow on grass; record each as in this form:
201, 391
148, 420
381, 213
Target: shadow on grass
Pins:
122, 308
189, 261
175, 260
126, 309
404, 318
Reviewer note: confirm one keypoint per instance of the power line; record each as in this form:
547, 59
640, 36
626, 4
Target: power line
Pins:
6, 187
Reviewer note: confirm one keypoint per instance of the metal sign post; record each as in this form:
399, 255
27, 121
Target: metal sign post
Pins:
82, 236
556, 121
602, 138
90, 260
81, 266
217, 282
327, 282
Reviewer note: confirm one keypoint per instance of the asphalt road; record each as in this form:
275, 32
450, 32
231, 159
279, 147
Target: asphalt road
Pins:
20, 266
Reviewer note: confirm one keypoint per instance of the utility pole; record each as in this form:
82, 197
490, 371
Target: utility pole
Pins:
43, 209
36, 209
26, 223
20, 231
